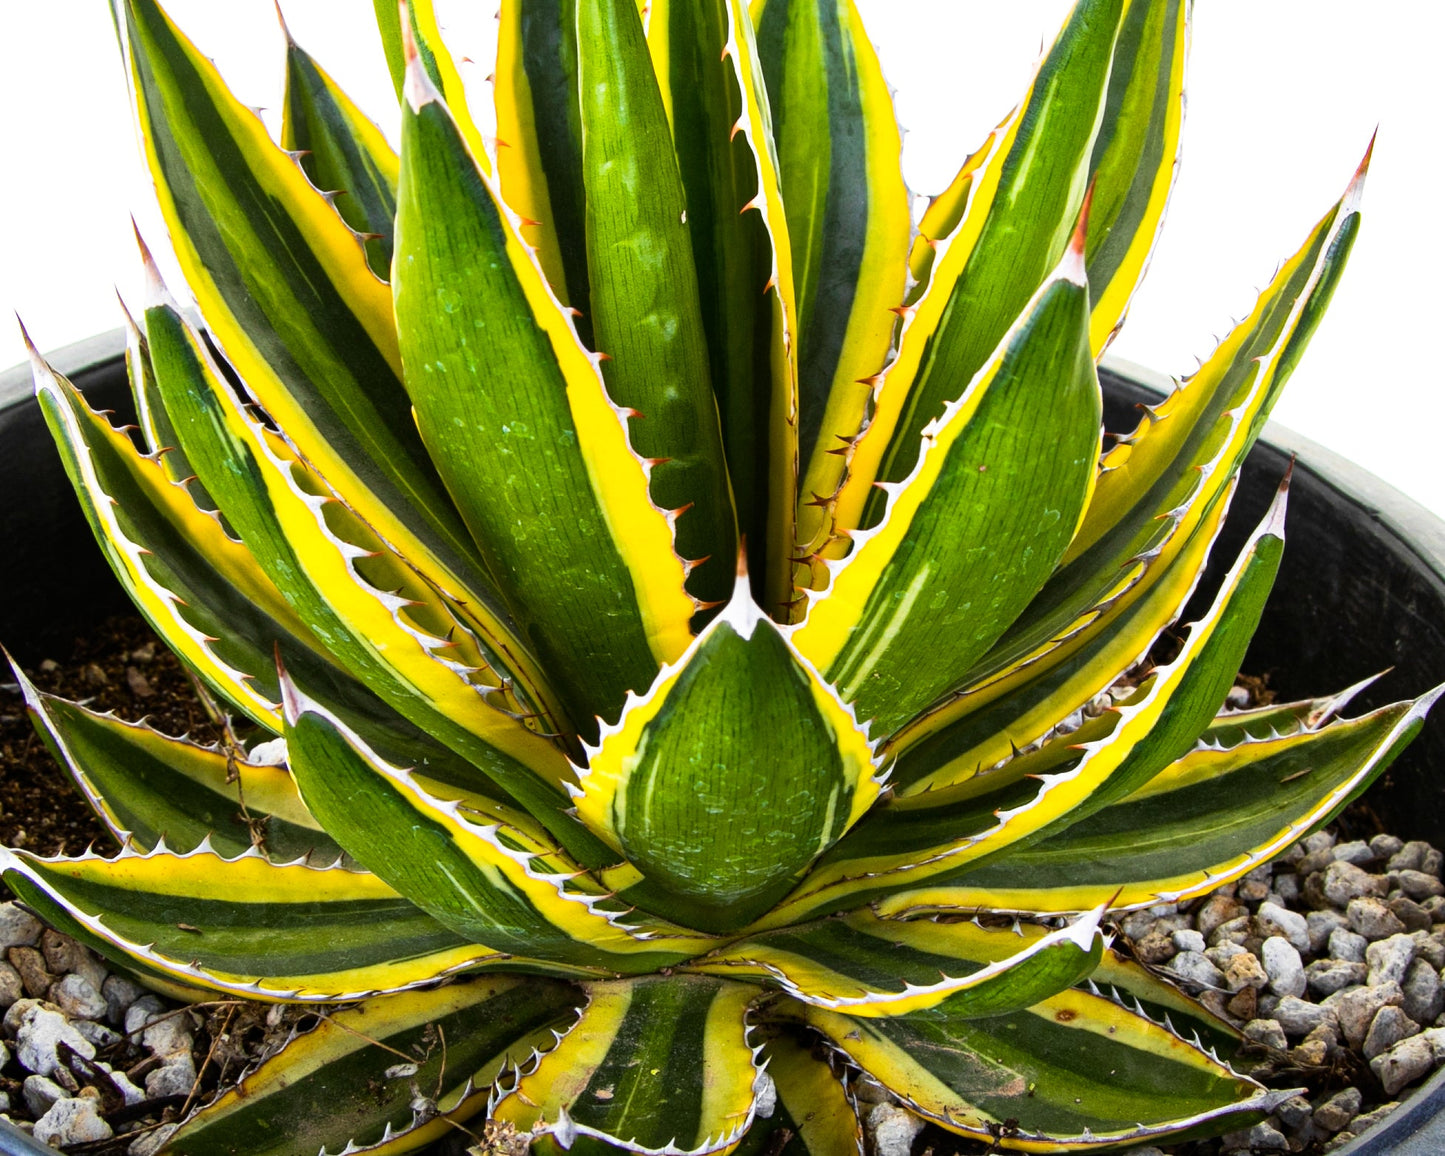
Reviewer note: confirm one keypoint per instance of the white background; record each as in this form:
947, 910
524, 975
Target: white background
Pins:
1283, 97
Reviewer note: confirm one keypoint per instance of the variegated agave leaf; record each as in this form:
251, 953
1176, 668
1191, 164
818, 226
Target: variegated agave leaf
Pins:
656, 574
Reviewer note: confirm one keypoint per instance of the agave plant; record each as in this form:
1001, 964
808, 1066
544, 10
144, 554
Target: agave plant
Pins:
684, 641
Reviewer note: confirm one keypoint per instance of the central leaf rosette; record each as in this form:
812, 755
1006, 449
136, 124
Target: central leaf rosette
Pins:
731, 775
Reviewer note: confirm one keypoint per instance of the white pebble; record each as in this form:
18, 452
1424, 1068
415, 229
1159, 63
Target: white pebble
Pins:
72, 1121
41, 1031
40, 1093
18, 928
1284, 967
1273, 919
76, 997
892, 1130
1390, 960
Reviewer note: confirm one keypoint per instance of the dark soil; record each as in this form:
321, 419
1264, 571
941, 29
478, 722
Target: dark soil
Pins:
119, 666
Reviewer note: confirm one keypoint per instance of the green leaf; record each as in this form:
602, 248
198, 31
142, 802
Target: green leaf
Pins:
944, 834
1209, 818
838, 148
705, 59
1075, 1071
285, 288
980, 726
738, 768
539, 129
871, 967
482, 868
979, 525
436, 663
346, 153
355, 1078
514, 411
659, 1063
149, 788
1135, 156
248, 926
1022, 207
1158, 489
644, 300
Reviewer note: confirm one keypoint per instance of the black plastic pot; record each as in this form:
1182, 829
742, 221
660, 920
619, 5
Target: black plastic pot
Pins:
1361, 589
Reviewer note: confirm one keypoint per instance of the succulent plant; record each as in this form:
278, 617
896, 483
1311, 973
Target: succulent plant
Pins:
688, 657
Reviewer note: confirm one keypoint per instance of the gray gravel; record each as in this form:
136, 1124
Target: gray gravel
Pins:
1329, 958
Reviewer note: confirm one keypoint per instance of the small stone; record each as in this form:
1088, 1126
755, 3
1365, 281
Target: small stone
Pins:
1409, 857
141, 1012
1373, 1116
1321, 924
129, 1092
1356, 851
1389, 1027
1430, 948
1266, 1032
1335, 1114
1244, 1004
1310, 1053
72, 1121
41, 1031
144, 654
1234, 931
1244, 970
1222, 953
30, 964
1298, 1018
94, 675
1432, 863
1424, 999
1418, 885
18, 928
1319, 841
139, 684
1193, 969
1346, 945
119, 994
1156, 947
98, 1034
1384, 846
11, 985
1286, 890
168, 1037
150, 1143
1218, 908
1403, 1064
64, 955
1136, 925
1295, 1112
892, 1129
74, 995
1435, 908
1390, 959
1265, 1137
1252, 890
15, 1013
1372, 919
1327, 976
1217, 1003
1187, 939
1273, 919
1410, 913
1355, 1008
1283, 966
1344, 882
177, 1076
40, 1094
